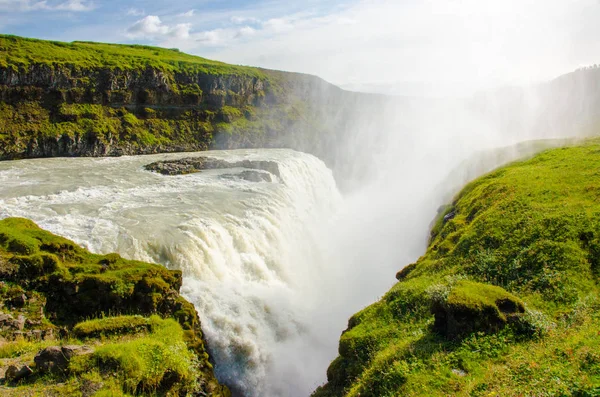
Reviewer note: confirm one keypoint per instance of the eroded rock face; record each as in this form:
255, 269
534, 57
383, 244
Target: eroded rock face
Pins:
191, 165
8, 322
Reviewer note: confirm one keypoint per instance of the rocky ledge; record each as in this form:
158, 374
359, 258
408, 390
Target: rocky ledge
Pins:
191, 165
76, 323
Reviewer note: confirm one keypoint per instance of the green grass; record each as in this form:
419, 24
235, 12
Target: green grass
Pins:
146, 338
528, 233
111, 326
18, 53
147, 363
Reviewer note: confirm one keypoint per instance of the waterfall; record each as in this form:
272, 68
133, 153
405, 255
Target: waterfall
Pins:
251, 252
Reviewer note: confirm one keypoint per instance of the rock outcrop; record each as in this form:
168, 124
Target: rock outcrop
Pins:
191, 165
136, 333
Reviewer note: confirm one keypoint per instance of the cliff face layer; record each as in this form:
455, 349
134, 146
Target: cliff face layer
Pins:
75, 323
503, 303
85, 99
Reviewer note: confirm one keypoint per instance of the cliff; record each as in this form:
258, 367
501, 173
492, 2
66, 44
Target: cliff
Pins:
503, 303
90, 99
76, 323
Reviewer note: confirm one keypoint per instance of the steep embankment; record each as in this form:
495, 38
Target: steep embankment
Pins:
75, 323
505, 300
91, 99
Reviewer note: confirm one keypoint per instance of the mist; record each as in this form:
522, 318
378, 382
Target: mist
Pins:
413, 100
397, 160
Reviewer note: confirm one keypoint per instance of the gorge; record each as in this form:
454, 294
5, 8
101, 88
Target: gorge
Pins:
275, 266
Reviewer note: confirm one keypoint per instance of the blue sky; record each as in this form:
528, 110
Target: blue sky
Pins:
413, 47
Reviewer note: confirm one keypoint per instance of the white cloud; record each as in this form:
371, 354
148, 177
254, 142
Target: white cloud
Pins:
135, 12
245, 31
75, 5
457, 46
278, 25
188, 14
180, 31
28, 5
151, 27
242, 20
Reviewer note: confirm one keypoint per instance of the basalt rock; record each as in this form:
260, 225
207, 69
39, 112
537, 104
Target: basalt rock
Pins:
191, 165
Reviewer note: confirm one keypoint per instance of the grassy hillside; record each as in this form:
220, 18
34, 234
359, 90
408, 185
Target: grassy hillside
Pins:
19, 53
78, 324
94, 99
505, 300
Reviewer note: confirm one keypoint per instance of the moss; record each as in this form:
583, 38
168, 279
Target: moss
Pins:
18, 53
111, 326
472, 307
105, 301
505, 300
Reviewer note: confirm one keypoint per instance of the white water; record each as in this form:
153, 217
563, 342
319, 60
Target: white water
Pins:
274, 269
251, 254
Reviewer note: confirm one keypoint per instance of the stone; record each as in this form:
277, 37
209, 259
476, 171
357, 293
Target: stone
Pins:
9, 323
18, 301
14, 374
197, 164
56, 359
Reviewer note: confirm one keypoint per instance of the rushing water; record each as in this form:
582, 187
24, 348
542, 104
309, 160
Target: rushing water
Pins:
274, 268
250, 251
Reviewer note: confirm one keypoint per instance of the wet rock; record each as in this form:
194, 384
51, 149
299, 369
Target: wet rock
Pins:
250, 176
191, 165
56, 358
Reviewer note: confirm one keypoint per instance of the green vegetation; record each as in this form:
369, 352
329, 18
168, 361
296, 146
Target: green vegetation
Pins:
19, 53
505, 302
141, 336
94, 99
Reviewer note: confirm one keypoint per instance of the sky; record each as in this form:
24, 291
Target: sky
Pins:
405, 47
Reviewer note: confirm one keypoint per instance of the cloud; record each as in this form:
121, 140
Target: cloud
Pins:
243, 20
151, 27
278, 25
135, 12
223, 37
245, 31
28, 5
454, 47
75, 5
188, 14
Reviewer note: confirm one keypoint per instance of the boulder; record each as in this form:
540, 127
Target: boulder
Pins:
475, 307
56, 358
14, 374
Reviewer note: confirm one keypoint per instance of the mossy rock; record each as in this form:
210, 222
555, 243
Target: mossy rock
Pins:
475, 307
107, 326
148, 339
